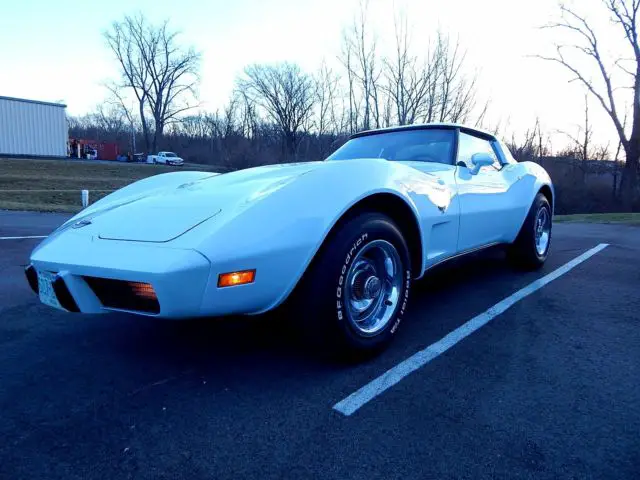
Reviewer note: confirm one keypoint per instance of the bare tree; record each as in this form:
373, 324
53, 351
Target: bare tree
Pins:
616, 159
364, 72
434, 88
110, 118
542, 141
624, 14
457, 89
161, 74
347, 59
118, 101
195, 126
223, 124
328, 120
408, 81
220, 127
583, 148
480, 119
286, 94
526, 148
248, 116
534, 145
326, 88
405, 88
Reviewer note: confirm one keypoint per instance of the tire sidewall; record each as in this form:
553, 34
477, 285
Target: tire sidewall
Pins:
354, 237
540, 203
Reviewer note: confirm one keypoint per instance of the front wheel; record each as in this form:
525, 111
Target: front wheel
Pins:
355, 294
531, 248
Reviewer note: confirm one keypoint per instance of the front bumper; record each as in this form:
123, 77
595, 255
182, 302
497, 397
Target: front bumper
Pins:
184, 279
60, 288
178, 276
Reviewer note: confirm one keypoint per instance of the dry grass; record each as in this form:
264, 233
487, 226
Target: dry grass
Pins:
55, 185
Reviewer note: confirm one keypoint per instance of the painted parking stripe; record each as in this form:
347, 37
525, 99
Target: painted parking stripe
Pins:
22, 238
392, 376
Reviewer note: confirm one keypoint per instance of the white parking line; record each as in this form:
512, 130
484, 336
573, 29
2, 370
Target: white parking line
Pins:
392, 376
22, 238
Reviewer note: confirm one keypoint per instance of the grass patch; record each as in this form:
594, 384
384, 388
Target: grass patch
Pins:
626, 218
39, 207
55, 185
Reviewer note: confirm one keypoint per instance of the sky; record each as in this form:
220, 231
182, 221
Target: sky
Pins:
55, 51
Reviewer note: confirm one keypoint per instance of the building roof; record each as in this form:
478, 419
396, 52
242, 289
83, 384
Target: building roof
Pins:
25, 100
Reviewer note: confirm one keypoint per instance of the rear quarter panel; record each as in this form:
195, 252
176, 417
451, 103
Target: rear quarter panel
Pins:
528, 179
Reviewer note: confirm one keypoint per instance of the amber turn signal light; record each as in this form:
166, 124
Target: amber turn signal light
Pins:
232, 279
143, 290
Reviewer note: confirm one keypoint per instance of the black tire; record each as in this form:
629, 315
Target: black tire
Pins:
321, 299
523, 253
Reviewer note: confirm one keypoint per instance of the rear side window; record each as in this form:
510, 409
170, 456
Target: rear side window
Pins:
503, 152
469, 145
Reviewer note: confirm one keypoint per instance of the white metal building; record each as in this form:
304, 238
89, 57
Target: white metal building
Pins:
32, 128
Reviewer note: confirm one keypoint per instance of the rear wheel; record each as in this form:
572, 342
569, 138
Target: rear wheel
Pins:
355, 294
531, 248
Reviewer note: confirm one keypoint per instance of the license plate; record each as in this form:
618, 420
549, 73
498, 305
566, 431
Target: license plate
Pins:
45, 289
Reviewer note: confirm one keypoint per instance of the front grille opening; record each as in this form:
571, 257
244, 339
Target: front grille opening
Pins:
124, 295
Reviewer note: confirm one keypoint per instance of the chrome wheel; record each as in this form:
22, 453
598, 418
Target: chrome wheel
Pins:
543, 230
373, 287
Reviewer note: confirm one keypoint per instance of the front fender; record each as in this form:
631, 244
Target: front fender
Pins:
279, 234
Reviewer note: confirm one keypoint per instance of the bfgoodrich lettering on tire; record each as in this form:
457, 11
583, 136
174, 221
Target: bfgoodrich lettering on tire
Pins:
356, 292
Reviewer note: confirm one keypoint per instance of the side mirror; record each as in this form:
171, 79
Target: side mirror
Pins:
480, 160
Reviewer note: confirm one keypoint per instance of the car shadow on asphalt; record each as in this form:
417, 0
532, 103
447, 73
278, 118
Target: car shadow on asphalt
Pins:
272, 339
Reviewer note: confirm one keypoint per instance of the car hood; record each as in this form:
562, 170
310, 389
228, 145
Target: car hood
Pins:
161, 214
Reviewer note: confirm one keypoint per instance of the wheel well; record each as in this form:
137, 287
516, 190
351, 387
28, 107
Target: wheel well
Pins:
546, 191
397, 209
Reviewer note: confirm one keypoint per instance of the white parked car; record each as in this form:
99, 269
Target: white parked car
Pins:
168, 158
340, 240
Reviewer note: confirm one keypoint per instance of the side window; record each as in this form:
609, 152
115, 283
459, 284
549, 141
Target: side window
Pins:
468, 145
503, 153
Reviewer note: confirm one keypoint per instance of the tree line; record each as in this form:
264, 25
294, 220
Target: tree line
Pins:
281, 113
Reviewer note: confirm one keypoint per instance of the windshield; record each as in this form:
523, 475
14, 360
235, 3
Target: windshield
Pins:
169, 154
422, 145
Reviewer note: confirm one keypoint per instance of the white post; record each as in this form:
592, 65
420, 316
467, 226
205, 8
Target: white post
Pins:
85, 198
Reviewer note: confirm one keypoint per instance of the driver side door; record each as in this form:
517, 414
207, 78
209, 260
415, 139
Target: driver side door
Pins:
486, 213
439, 216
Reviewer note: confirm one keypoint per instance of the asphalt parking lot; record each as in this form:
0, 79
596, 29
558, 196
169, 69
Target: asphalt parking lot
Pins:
550, 388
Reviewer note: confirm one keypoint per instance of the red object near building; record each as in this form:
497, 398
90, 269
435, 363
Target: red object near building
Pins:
107, 151
79, 147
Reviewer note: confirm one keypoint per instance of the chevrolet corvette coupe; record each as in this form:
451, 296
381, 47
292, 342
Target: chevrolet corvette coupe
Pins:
341, 239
